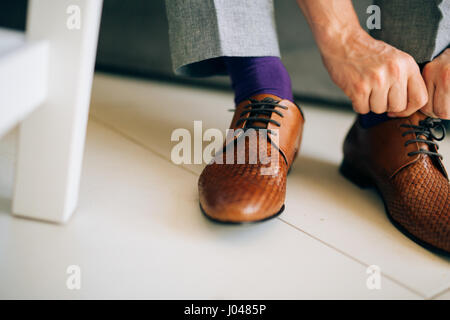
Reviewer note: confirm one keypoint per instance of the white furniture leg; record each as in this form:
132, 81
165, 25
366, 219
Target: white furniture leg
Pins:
51, 139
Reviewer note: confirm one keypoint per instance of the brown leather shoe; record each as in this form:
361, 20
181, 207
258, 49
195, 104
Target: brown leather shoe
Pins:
249, 191
399, 158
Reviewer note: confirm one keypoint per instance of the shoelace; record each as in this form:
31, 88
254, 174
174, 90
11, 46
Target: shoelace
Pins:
425, 129
255, 109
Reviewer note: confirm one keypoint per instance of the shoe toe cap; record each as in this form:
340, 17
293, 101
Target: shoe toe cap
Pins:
240, 198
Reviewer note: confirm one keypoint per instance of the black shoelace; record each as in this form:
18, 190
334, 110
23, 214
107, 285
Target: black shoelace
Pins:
255, 109
426, 128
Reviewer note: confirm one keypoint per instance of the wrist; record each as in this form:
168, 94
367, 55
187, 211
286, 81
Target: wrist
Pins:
446, 52
331, 38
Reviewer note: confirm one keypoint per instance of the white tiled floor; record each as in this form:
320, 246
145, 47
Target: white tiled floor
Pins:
138, 232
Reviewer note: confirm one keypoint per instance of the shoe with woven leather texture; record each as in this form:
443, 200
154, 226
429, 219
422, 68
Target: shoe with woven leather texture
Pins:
400, 158
237, 187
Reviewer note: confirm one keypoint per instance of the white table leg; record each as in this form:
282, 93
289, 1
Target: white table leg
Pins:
51, 141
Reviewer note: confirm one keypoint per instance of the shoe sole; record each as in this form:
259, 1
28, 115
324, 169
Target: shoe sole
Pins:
239, 222
347, 171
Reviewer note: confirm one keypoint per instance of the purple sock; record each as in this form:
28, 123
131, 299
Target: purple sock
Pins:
372, 119
254, 75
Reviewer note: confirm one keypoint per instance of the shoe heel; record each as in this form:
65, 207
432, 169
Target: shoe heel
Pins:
352, 174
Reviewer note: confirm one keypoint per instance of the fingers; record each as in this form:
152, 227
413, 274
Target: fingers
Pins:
379, 99
360, 98
361, 104
441, 102
396, 87
417, 96
397, 97
441, 106
428, 108
437, 78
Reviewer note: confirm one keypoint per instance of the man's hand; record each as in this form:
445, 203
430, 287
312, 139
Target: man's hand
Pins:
374, 75
437, 79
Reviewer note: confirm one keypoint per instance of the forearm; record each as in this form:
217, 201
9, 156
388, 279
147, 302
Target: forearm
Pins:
331, 21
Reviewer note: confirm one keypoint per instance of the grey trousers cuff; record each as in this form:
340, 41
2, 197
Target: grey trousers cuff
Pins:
201, 30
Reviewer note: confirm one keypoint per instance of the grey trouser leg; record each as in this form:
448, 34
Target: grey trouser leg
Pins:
204, 29
418, 27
